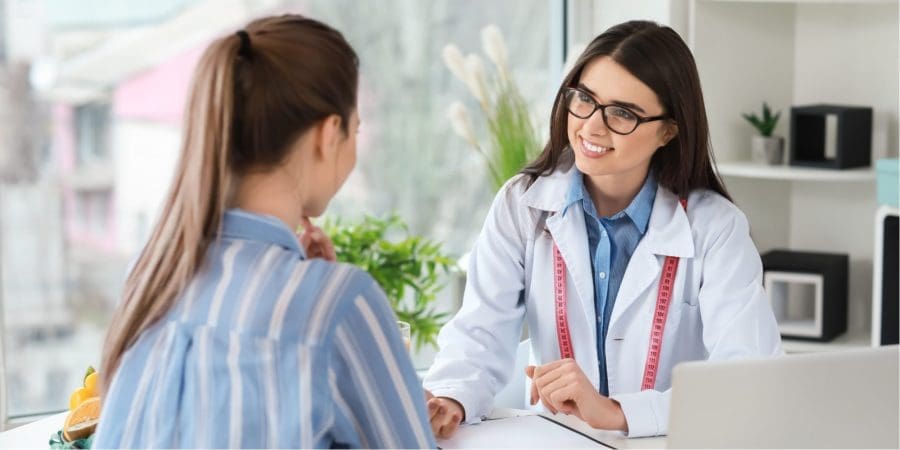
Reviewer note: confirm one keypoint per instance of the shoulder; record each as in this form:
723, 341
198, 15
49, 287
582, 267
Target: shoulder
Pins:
712, 216
340, 283
512, 191
351, 291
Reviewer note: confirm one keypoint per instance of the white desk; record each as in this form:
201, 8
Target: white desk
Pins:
612, 438
472, 435
35, 434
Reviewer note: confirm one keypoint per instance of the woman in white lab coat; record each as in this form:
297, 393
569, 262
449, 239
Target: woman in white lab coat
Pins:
619, 246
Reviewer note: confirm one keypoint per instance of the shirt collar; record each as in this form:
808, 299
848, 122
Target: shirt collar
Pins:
240, 224
638, 210
642, 205
576, 190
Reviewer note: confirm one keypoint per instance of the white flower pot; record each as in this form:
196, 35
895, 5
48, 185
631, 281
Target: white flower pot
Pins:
767, 150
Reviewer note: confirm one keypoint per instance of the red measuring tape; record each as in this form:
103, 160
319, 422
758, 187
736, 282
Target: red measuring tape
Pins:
664, 295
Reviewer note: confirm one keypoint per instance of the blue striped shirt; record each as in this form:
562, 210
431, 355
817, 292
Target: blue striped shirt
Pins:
611, 242
266, 348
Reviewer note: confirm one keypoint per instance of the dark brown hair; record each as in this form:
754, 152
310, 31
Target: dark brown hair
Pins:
252, 95
658, 57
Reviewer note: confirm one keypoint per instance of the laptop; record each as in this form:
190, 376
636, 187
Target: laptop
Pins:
840, 399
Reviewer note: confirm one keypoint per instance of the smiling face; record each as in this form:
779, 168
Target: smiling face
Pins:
602, 154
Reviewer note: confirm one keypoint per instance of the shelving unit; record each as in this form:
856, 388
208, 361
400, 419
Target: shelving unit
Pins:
847, 341
792, 53
790, 173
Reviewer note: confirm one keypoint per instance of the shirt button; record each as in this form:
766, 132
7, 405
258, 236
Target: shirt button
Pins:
599, 318
602, 275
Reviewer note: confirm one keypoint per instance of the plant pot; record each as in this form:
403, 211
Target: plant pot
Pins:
767, 149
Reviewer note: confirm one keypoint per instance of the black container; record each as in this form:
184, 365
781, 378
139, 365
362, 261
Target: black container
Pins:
834, 269
850, 142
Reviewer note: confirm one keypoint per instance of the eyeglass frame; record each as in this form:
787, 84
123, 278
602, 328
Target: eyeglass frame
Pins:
602, 108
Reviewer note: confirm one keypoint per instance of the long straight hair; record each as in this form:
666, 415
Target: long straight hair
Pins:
251, 97
658, 57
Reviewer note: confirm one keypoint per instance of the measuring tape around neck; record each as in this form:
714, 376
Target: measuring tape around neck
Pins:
660, 313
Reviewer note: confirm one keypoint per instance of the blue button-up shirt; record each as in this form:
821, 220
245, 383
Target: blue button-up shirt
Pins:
611, 242
266, 348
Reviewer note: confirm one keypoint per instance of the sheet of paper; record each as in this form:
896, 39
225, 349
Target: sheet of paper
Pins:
518, 432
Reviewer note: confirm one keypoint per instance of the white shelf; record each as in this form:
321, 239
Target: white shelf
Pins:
785, 172
815, 2
846, 341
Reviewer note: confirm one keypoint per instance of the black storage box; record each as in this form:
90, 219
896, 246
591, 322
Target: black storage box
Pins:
831, 136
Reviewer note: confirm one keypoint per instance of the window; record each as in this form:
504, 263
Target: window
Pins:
111, 122
91, 127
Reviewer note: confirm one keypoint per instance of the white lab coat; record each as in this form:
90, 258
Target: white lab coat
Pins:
718, 310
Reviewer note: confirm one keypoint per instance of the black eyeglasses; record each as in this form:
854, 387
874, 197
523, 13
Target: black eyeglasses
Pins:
618, 119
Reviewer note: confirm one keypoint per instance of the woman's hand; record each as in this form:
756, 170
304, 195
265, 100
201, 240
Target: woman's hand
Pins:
445, 415
563, 387
315, 242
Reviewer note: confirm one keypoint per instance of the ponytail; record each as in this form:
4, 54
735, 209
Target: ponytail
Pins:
193, 208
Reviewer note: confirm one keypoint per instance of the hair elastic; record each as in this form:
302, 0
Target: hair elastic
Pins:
245, 43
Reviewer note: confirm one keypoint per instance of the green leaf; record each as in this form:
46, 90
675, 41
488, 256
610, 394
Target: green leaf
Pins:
89, 371
765, 125
408, 268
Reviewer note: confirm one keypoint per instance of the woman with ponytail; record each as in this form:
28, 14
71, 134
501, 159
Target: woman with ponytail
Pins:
233, 332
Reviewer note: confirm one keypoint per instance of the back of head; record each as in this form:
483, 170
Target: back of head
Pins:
253, 93
657, 56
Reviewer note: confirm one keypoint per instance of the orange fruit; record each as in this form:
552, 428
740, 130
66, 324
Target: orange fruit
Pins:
82, 421
90, 383
78, 397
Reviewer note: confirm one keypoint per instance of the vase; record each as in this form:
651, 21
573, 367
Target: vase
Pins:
767, 150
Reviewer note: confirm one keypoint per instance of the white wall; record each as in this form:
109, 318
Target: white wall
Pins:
589, 18
668, 12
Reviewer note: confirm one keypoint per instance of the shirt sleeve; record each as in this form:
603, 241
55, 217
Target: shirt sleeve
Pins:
373, 383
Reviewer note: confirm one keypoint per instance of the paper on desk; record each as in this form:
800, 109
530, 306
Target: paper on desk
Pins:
532, 431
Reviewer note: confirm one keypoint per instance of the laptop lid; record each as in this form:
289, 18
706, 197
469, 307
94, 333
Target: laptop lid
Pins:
841, 399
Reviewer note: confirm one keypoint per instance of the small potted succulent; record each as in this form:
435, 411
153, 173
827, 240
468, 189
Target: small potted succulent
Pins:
766, 148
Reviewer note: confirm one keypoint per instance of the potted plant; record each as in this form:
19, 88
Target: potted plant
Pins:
513, 141
766, 148
408, 268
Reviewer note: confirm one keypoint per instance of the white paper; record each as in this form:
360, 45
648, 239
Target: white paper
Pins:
517, 432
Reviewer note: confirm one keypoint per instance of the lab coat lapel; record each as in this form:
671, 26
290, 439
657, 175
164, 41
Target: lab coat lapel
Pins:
668, 234
569, 233
548, 194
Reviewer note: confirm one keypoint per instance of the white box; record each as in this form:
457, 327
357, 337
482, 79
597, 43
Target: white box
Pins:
797, 302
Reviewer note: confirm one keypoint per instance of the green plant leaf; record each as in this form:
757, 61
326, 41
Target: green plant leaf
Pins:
406, 267
765, 124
